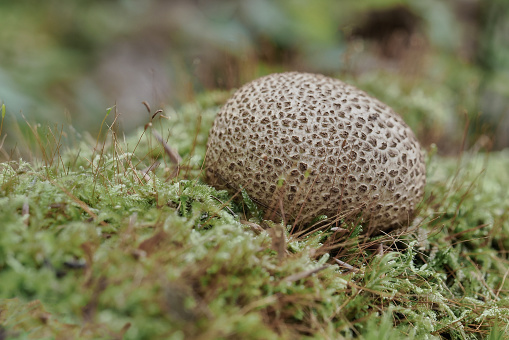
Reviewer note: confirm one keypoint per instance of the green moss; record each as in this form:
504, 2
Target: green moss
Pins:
91, 248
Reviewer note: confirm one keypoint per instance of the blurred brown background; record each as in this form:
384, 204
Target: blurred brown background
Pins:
443, 65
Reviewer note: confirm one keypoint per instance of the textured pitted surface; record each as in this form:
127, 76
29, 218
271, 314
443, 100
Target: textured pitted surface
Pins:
321, 147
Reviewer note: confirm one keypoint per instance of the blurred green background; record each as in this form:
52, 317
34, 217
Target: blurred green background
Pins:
443, 65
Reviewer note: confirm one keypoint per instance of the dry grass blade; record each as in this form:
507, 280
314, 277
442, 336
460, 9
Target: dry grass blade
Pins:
458, 234
304, 274
224, 205
256, 228
150, 168
82, 204
174, 156
346, 265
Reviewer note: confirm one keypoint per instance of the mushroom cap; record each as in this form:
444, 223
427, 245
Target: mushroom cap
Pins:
304, 145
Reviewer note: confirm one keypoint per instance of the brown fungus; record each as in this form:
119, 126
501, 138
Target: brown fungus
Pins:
339, 151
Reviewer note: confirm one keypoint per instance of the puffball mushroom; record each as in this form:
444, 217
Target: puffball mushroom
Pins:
304, 145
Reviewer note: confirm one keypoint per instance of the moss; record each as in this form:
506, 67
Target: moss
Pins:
91, 248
